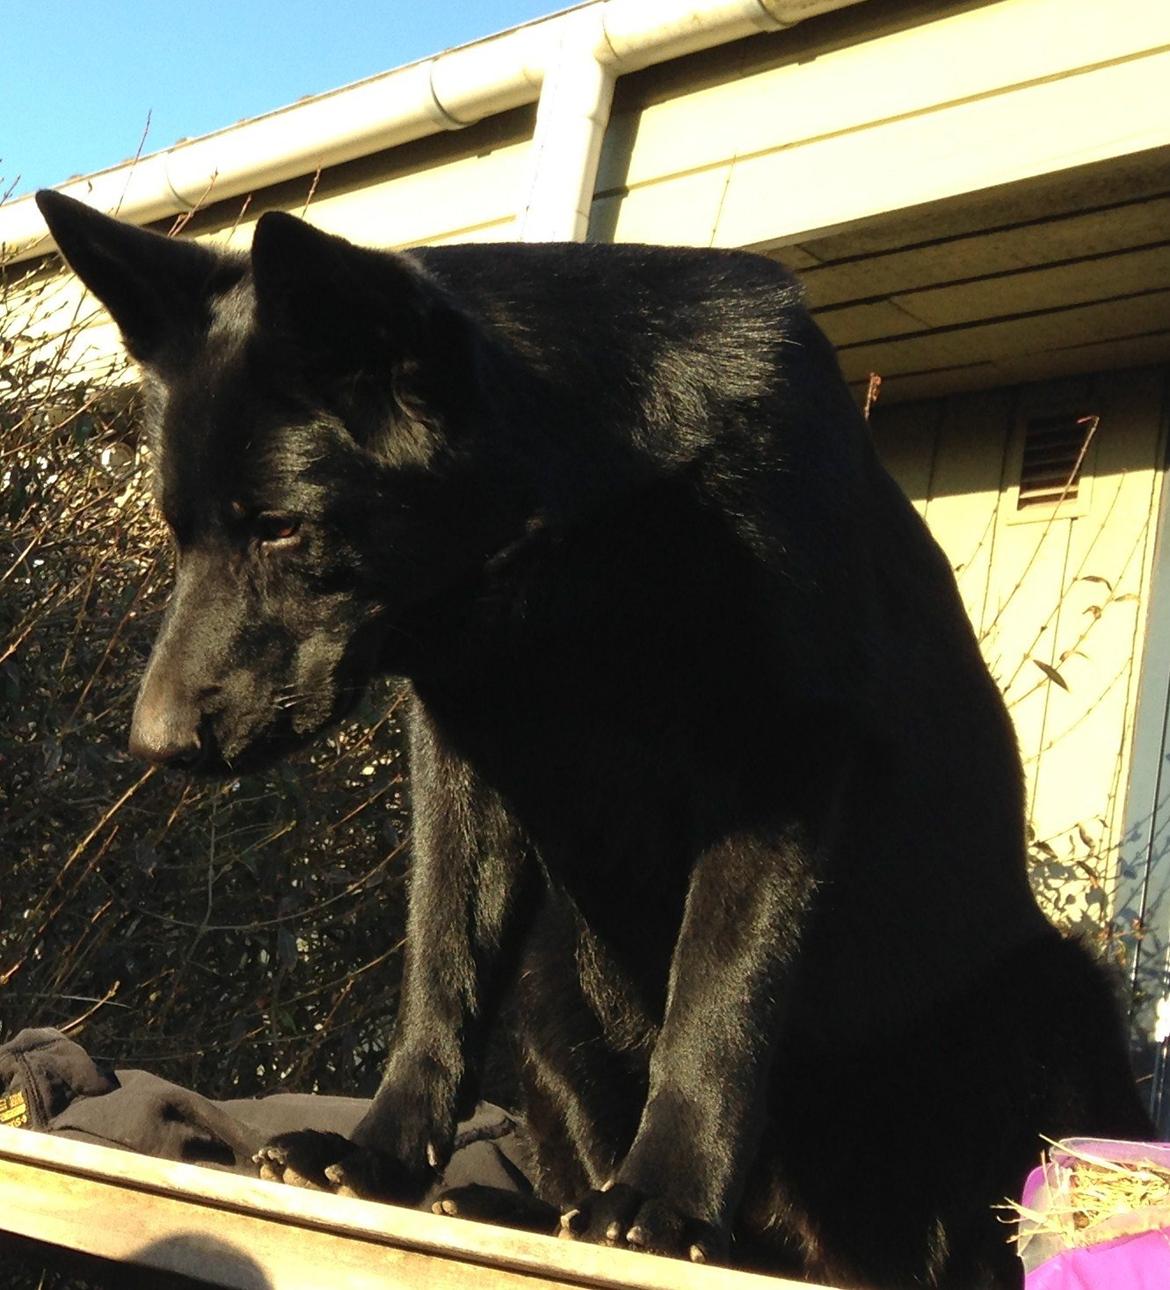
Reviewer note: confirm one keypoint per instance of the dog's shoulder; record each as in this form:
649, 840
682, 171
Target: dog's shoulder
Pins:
652, 347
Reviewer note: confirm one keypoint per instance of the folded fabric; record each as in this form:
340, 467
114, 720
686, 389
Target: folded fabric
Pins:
50, 1071
65, 1091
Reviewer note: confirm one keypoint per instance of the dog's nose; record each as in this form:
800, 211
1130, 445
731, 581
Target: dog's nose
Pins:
164, 734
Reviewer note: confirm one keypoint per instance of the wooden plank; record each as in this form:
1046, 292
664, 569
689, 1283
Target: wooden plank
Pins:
1095, 356
1103, 356
1004, 338
1030, 291
930, 384
1043, 238
247, 1234
1081, 282
875, 320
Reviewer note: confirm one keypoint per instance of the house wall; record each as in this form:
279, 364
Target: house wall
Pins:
875, 109
466, 186
459, 187
1064, 586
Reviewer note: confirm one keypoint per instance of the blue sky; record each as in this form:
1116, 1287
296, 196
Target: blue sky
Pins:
78, 78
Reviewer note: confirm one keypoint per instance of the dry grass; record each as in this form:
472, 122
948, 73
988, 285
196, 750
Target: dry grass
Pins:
1091, 1197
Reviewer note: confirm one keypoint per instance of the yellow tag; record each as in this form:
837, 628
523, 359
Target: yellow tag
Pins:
13, 1110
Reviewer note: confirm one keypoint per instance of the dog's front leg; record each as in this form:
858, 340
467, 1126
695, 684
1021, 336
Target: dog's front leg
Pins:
467, 889
679, 1185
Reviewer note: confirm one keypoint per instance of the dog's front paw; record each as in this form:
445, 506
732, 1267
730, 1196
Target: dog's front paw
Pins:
495, 1205
624, 1216
329, 1162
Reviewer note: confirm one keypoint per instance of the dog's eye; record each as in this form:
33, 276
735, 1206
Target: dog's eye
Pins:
277, 530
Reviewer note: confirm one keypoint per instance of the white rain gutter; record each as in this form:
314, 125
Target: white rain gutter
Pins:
574, 55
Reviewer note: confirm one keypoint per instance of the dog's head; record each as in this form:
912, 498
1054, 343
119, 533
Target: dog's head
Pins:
320, 445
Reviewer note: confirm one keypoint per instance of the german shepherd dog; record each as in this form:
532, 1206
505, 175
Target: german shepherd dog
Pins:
711, 787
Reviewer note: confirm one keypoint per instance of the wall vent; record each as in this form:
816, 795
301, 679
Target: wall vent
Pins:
1054, 452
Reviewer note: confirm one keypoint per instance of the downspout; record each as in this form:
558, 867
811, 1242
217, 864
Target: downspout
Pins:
590, 47
595, 44
569, 60
571, 119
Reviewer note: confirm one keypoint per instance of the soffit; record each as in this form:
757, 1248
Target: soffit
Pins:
1053, 276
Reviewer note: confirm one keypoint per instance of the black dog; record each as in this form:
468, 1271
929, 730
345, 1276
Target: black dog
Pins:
709, 776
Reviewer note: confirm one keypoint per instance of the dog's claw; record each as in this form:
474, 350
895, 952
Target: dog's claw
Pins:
495, 1205
626, 1217
274, 1165
329, 1162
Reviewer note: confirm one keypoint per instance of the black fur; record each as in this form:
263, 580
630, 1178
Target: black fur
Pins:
708, 772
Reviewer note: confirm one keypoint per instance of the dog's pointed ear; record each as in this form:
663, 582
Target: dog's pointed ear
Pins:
344, 308
156, 288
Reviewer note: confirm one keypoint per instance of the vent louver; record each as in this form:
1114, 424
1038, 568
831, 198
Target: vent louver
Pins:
1054, 449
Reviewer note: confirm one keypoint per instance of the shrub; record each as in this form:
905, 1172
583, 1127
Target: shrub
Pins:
230, 936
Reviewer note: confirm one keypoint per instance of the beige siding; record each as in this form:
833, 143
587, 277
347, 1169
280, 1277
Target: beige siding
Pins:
55, 328
1067, 589
1098, 633
452, 188
859, 117
461, 187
